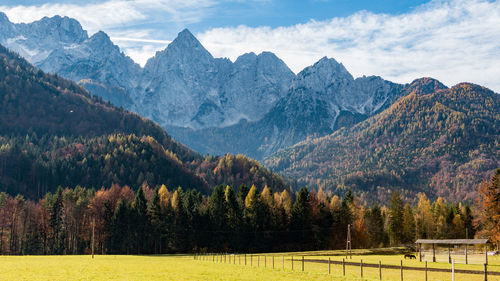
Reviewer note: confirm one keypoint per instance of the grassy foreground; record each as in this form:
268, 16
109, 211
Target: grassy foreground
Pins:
180, 267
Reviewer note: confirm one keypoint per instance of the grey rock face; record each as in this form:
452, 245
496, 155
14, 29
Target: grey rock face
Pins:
185, 86
322, 98
60, 45
255, 105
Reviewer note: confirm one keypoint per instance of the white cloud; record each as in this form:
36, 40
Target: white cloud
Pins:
114, 13
453, 41
139, 49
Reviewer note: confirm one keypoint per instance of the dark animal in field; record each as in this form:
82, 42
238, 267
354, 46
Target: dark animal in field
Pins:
410, 256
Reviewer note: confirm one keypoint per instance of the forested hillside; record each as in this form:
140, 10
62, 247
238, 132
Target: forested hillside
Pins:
162, 220
52, 132
443, 144
32, 101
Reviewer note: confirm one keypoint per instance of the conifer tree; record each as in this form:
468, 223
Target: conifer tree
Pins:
55, 223
140, 207
155, 218
396, 219
375, 227
408, 225
301, 218
121, 239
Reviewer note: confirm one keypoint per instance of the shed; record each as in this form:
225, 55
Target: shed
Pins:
451, 242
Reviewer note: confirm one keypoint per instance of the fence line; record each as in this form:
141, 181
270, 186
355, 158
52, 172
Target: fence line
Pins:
221, 258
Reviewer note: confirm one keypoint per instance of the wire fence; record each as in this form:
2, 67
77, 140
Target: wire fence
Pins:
353, 269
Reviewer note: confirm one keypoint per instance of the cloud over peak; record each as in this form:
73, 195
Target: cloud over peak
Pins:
453, 41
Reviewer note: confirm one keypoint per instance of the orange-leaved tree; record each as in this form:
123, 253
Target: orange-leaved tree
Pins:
488, 220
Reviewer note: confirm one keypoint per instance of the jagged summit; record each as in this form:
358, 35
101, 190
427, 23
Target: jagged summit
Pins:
57, 28
185, 34
324, 74
101, 40
185, 41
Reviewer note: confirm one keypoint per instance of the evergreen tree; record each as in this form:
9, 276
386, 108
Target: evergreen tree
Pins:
121, 238
408, 225
396, 219
55, 223
234, 216
217, 212
301, 219
140, 208
375, 227
155, 218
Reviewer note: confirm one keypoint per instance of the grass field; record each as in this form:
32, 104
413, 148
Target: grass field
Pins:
183, 267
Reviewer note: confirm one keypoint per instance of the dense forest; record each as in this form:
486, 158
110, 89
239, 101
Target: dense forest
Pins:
52, 132
163, 220
443, 144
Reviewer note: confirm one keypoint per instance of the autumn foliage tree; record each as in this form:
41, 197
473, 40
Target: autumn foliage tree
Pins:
488, 219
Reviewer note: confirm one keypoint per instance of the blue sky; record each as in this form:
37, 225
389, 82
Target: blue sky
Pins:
252, 13
400, 40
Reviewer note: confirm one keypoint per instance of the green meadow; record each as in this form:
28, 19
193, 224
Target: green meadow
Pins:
232, 267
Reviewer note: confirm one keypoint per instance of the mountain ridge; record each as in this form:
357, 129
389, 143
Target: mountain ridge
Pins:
53, 132
442, 143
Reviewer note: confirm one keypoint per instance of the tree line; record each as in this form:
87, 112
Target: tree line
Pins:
159, 220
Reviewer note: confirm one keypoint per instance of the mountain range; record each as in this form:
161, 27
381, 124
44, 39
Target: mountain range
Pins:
256, 100
52, 132
435, 140
321, 127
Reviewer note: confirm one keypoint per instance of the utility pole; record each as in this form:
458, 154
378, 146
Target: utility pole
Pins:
467, 238
348, 246
93, 236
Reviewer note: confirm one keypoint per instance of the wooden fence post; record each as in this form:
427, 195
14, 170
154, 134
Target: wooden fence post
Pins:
302, 263
343, 267
361, 267
401, 270
453, 270
258, 261
379, 270
329, 270
245, 259
273, 262
265, 261
425, 270
292, 262
485, 272
251, 260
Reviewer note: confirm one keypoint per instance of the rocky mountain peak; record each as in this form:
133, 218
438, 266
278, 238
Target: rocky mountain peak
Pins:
184, 50
101, 41
62, 29
247, 58
6, 27
324, 74
187, 44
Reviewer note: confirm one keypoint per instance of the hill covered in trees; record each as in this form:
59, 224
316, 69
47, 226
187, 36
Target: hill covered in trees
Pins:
439, 141
52, 132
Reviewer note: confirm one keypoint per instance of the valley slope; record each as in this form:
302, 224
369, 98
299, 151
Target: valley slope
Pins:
52, 132
439, 141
